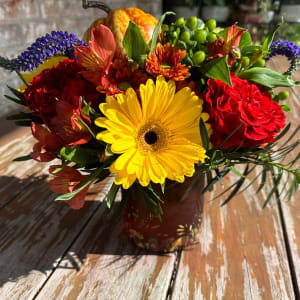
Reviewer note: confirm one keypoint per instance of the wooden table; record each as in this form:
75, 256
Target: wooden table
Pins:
48, 251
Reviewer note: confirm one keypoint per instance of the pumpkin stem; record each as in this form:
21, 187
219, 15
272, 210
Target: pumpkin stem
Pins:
87, 4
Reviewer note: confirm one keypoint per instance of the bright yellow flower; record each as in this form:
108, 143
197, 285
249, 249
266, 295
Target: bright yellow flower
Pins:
47, 64
156, 140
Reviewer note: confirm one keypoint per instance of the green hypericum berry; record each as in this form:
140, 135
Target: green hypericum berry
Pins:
211, 37
174, 34
200, 36
164, 27
211, 24
198, 57
245, 61
192, 22
283, 95
180, 22
259, 63
185, 36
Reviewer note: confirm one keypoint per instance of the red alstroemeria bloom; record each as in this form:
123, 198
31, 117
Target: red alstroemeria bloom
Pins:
69, 123
97, 58
48, 143
66, 181
221, 47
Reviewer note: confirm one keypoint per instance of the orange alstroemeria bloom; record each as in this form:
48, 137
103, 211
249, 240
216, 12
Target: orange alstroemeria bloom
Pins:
221, 47
97, 58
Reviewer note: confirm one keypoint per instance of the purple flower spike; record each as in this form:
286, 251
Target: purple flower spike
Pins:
287, 49
54, 44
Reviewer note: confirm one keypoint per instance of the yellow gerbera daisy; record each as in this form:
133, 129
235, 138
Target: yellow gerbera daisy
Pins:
156, 140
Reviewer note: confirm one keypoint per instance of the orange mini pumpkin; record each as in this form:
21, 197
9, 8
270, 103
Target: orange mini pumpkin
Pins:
118, 20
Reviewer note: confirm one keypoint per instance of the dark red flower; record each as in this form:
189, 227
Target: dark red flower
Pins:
48, 143
66, 181
70, 123
62, 82
246, 105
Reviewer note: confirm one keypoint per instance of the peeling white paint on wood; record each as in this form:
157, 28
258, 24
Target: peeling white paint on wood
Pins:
206, 235
251, 289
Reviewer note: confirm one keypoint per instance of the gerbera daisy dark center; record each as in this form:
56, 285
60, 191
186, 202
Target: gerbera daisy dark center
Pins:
151, 137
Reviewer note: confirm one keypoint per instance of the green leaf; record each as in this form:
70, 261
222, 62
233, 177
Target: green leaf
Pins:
111, 196
204, 134
79, 155
108, 151
245, 40
250, 51
268, 78
239, 183
163, 185
14, 100
157, 27
134, 44
262, 179
217, 69
236, 172
230, 135
23, 158
268, 40
297, 177
80, 120
23, 123
25, 116
84, 184
285, 107
18, 94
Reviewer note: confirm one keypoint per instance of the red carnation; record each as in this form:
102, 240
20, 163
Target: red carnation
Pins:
244, 103
62, 82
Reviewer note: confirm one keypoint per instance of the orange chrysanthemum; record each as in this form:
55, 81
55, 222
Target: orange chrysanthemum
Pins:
165, 60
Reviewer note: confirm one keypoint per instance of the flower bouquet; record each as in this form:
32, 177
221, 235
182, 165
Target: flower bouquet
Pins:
161, 108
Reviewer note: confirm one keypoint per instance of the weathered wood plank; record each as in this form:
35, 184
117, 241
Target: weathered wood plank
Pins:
35, 232
21, 174
109, 267
241, 254
291, 210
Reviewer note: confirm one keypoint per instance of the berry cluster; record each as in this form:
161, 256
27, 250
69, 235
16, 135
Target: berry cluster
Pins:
192, 35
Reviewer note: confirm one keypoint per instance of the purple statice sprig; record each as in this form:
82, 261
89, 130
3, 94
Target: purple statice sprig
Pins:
287, 49
54, 44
